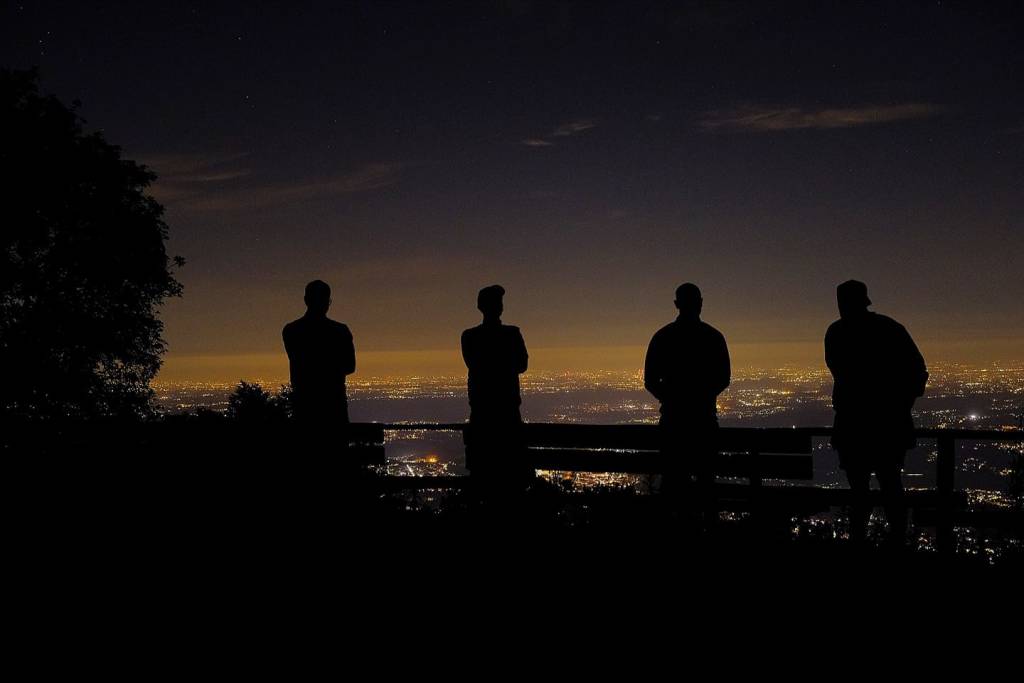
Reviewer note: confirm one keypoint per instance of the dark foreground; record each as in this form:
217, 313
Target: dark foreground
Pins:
268, 515
250, 518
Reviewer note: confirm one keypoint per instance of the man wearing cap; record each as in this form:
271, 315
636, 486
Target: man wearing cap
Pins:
495, 356
686, 368
878, 372
320, 355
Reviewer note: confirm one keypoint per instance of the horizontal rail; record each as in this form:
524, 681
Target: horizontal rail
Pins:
1013, 435
423, 426
639, 439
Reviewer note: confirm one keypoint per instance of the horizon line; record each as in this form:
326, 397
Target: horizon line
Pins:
393, 364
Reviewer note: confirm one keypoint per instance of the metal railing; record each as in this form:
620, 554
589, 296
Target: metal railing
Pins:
945, 464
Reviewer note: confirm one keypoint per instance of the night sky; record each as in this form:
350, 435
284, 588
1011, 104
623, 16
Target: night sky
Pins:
588, 157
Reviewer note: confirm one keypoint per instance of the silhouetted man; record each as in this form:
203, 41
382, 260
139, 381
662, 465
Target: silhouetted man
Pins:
320, 355
686, 368
495, 356
877, 372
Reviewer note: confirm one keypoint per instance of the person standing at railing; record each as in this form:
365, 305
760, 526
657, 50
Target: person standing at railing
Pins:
320, 354
878, 372
495, 356
686, 368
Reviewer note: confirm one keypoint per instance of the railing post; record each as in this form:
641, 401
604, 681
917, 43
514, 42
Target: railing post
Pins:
945, 468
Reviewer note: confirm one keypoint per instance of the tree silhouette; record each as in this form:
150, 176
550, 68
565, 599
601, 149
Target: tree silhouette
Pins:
82, 265
251, 403
285, 400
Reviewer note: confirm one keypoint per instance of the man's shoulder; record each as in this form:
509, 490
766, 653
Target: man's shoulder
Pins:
470, 335
886, 322
871, 326
483, 329
315, 327
338, 328
664, 331
711, 331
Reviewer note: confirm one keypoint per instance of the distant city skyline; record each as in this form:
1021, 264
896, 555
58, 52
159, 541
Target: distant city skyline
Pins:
273, 366
589, 157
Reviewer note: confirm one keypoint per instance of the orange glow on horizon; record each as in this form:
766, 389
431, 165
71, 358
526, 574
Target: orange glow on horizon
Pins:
370, 365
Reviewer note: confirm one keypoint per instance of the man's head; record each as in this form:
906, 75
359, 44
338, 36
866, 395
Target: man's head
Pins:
852, 297
489, 301
318, 297
688, 300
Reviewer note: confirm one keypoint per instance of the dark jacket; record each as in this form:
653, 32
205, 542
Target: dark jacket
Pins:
686, 368
495, 356
877, 372
320, 354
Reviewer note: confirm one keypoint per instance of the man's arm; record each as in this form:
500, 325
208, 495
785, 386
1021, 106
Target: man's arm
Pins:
917, 372
286, 338
653, 380
722, 367
294, 360
833, 361
467, 351
521, 357
348, 353
831, 355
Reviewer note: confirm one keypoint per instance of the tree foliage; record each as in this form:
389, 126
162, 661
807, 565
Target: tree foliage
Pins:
83, 267
251, 403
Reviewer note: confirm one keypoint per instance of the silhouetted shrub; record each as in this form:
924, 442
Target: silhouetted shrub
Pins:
82, 265
284, 400
251, 403
206, 415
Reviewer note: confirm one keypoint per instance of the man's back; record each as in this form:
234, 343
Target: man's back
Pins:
495, 356
877, 372
875, 364
687, 366
320, 354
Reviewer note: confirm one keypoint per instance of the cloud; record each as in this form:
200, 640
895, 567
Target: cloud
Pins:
184, 176
773, 119
202, 184
563, 131
573, 128
216, 177
197, 168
